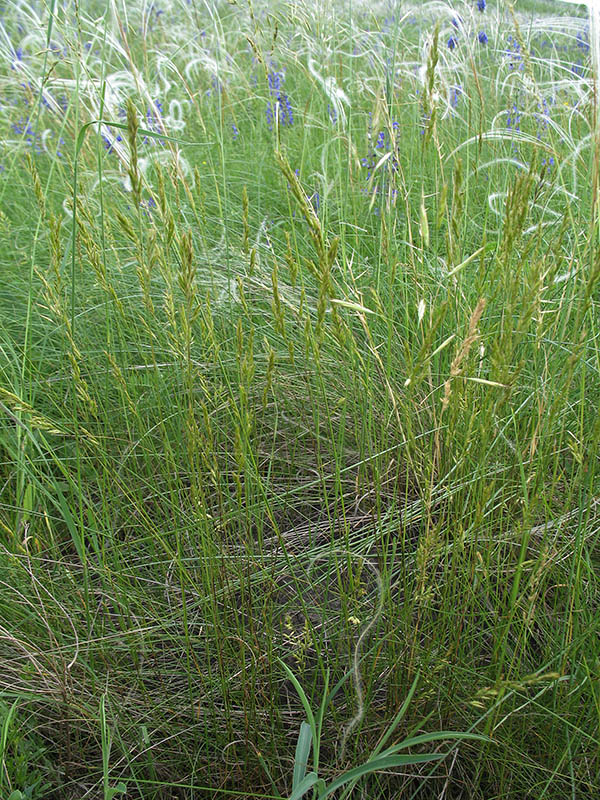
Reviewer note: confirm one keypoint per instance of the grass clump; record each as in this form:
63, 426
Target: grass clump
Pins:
298, 402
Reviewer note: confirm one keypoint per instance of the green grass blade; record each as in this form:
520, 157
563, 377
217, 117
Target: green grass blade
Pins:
378, 764
434, 737
301, 756
305, 786
398, 718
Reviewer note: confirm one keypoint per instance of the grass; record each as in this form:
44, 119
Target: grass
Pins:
299, 390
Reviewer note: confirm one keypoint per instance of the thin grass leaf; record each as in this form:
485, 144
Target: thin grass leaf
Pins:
353, 306
501, 136
142, 131
486, 248
484, 381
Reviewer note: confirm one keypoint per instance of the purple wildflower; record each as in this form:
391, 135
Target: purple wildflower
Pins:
286, 110
280, 107
23, 128
514, 48
583, 41
548, 164
18, 58
513, 119
109, 145
542, 120
275, 80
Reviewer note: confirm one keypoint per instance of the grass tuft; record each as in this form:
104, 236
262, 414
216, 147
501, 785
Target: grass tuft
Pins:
298, 401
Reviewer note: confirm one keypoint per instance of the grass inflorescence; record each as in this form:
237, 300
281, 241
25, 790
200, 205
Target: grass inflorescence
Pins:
298, 409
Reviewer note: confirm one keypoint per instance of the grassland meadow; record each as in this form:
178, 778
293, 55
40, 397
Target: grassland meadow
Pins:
299, 400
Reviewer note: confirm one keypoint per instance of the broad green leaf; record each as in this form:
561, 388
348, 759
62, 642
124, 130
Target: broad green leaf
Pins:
398, 718
305, 785
4, 732
319, 722
28, 501
120, 788
304, 700
376, 765
301, 757
436, 736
